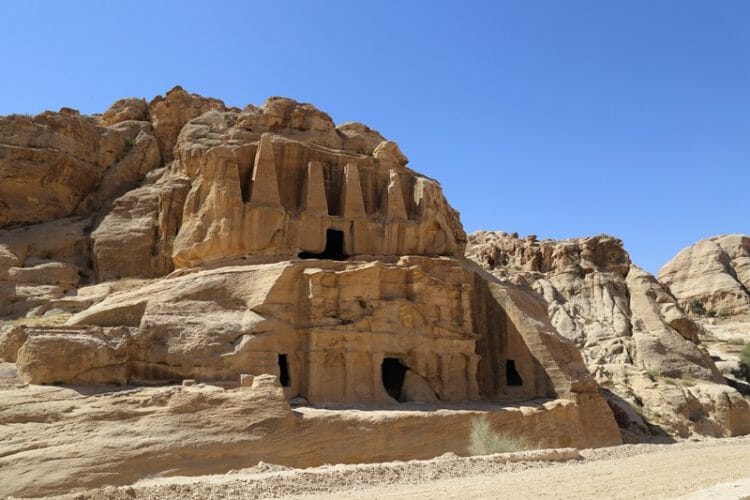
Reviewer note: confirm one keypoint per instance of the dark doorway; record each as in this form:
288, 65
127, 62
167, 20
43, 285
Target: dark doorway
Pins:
393, 373
512, 376
334, 247
283, 371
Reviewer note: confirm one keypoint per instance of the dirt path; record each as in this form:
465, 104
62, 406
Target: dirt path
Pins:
707, 469
671, 471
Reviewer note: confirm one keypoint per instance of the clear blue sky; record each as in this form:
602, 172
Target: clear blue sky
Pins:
559, 118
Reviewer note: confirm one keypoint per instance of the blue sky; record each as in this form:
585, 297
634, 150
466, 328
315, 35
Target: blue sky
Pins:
556, 118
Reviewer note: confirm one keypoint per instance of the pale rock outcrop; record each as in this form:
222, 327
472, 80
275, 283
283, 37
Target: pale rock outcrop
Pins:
141, 156
169, 113
634, 336
712, 276
205, 243
12, 338
144, 221
85, 358
336, 324
126, 110
52, 165
40, 263
224, 197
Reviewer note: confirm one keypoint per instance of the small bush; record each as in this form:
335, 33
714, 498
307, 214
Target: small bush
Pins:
51, 320
688, 381
697, 308
743, 371
485, 441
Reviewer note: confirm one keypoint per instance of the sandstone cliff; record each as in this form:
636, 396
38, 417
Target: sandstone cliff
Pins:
181, 240
711, 277
634, 336
184, 180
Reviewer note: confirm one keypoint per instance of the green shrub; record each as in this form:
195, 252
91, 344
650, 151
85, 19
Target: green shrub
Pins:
697, 308
743, 371
485, 441
745, 354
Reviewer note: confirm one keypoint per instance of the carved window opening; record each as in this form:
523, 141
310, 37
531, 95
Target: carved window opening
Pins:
284, 371
512, 377
334, 247
393, 372
246, 187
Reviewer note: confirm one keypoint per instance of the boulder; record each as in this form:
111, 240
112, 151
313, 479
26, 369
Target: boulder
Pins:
171, 112
46, 273
125, 110
76, 356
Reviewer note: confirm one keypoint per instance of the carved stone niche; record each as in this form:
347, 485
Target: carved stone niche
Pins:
288, 199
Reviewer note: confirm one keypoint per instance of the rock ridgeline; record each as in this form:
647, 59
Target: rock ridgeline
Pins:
634, 336
711, 277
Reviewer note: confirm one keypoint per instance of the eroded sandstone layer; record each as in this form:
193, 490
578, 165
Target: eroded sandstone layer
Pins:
182, 240
61, 439
635, 338
711, 277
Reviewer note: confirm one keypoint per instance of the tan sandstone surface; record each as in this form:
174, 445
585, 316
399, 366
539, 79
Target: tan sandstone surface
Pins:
215, 264
58, 439
637, 341
709, 469
712, 276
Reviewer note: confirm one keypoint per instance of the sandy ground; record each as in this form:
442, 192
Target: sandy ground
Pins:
716, 468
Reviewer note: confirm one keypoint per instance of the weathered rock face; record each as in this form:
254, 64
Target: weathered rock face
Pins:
711, 277
332, 331
274, 181
281, 180
56, 165
55, 440
40, 264
635, 338
170, 113
188, 240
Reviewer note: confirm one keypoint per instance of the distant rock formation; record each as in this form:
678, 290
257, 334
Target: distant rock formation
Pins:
711, 277
634, 336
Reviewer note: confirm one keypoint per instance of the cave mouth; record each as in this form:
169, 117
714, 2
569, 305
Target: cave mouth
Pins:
512, 376
283, 370
393, 373
334, 249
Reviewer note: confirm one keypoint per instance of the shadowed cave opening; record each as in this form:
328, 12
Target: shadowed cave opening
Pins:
511, 374
283, 371
393, 373
334, 247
